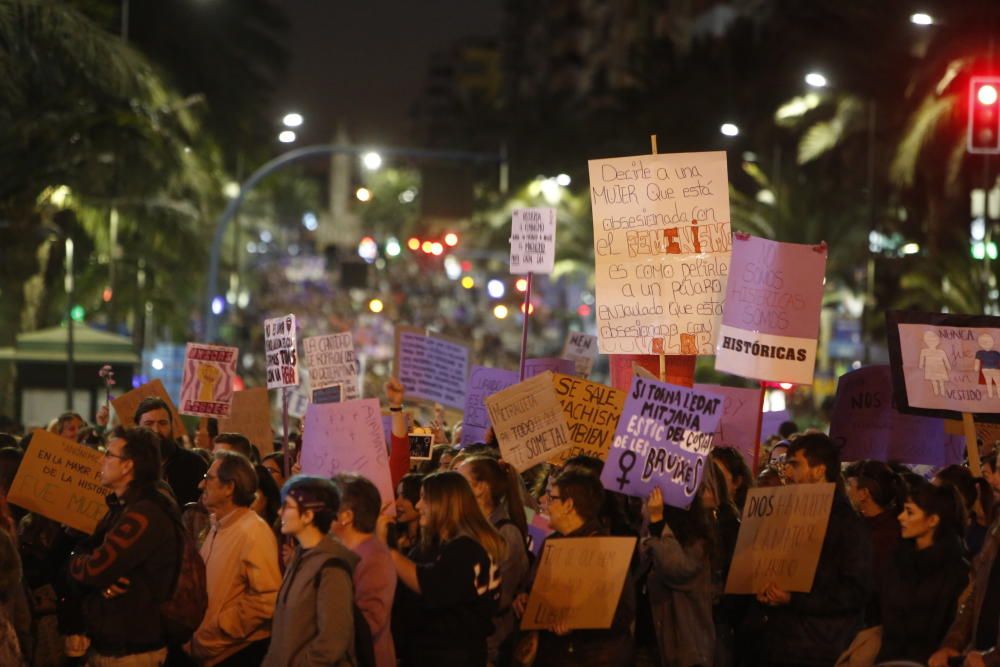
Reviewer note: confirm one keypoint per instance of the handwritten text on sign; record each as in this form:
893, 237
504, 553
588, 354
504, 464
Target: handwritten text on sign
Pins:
773, 302
207, 389
528, 422
533, 240
331, 361
579, 582
780, 538
61, 480
581, 349
431, 367
282, 357
483, 382
663, 438
662, 242
592, 411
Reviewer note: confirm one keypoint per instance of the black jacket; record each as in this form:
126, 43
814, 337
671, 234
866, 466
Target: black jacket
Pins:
919, 597
816, 627
183, 470
137, 539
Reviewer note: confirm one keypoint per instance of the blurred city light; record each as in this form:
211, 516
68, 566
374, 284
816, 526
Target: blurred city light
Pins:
266, 236
729, 129
920, 18
218, 304
157, 364
363, 194
583, 310
368, 249
910, 249
286, 137
468, 282
564, 180
452, 267
427, 246
451, 239
107, 294
231, 189
392, 247
816, 80
978, 229
376, 305
551, 191
786, 385
500, 312
413, 243
371, 160
310, 222
292, 120
521, 284
436, 248
987, 94
407, 196
495, 288
531, 309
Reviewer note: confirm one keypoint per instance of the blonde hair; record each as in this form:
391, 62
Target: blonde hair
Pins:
453, 512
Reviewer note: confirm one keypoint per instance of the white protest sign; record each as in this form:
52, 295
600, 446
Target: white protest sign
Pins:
581, 349
662, 243
282, 356
533, 240
332, 361
431, 367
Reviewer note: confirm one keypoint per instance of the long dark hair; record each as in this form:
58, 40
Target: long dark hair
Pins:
452, 512
731, 459
945, 502
504, 485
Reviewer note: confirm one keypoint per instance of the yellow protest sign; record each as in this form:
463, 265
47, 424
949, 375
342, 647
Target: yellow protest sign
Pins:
592, 411
528, 422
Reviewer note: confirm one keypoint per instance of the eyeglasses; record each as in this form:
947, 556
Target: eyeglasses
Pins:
116, 456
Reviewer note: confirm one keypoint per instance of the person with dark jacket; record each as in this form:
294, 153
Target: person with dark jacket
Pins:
183, 470
814, 628
313, 623
122, 575
921, 586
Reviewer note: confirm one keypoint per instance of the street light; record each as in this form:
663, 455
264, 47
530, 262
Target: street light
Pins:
286, 136
729, 129
292, 120
920, 18
371, 160
816, 80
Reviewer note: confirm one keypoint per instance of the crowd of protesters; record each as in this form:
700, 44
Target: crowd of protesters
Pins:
215, 556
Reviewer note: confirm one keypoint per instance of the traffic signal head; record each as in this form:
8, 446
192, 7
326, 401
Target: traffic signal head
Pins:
984, 115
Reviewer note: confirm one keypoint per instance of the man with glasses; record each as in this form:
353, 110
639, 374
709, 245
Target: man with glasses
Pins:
241, 568
122, 574
182, 468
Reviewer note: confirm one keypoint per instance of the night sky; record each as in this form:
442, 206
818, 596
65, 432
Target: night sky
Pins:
365, 62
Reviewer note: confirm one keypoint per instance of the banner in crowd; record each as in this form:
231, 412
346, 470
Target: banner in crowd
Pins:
433, 368
579, 583
592, 411
740, 420
281, 351
867, 426
126, 404
528, 422
943, 364
483, 382
207, 388
347, 437
663, 438
251, 415
581, 349
533, 240
781, 535
662, 242
771, 320
61, 480
332, 361
533, 367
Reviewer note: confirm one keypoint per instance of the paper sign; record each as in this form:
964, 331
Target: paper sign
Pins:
298, 400
866, 426
533, 367
207, 388
679, 370
780, 538
282, 354
592, 411
579, 582
433, 368
533, 240
331, 394
581, 349
661, 245
251, 415
347, 437
483, 382
944, 364
126, 404
61, 480
528, 422
663, 438
740, 415
771, 422
771, 319
331, 362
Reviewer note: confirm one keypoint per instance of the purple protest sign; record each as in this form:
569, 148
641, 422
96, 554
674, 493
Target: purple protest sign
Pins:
533, 367
771, 319
740, 414
483, 382
663, 438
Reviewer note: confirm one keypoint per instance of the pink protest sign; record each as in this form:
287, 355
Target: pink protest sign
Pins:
740, 415
771, 320
207, 388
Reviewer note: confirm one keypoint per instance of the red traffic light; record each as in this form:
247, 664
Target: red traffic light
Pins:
984, 115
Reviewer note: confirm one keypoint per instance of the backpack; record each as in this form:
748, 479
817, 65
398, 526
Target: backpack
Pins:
364, 644
183, 611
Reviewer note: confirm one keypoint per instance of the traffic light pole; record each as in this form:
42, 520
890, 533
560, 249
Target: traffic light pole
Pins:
209, 330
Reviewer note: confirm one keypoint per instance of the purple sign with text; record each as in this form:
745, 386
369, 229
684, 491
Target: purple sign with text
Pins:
740, 418
533, 367
483, 382
663, 438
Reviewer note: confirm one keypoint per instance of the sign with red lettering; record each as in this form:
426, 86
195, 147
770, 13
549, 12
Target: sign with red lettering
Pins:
282, 352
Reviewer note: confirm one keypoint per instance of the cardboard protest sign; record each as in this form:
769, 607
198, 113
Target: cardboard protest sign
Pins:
347, 437
581, 349
528, 422
533, 367
988, 434
780, 538
282, 352
740, 418
207, 388
943, 364
771, 320
431, 367
533, 240
622, 367
865, 424
663, 438
331, 361
61, 480
126, 404
579, 582
592, 411
483, 382
251, 415
662, 242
